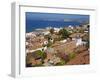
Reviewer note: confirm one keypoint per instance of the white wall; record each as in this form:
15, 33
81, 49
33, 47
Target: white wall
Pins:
5, 40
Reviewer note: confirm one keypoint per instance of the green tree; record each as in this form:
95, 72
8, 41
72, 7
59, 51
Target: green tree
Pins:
72, 55
41, 54
52, 31
64, 33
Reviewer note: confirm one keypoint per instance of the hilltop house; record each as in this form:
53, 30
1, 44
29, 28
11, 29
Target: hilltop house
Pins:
77, 37
78, 41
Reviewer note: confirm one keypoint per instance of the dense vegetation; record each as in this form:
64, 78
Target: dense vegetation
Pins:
64, 33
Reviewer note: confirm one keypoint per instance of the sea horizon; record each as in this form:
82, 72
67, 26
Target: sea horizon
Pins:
47, 24
42, 20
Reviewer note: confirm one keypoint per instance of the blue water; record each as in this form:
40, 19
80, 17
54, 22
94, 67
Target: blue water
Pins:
31, 25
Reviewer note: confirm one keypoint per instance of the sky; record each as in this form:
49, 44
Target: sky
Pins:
38, 20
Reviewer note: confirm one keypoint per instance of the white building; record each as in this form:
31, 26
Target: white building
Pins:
63, 41
48, 28
45, 48
71, 27
79, 42
46, 32
31, 34
57, 29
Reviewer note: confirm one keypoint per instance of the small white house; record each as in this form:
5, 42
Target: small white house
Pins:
31, 34
79, 42
71, 27
46, 32
57, 29
48, 28
63, 41
86, 31
45, 48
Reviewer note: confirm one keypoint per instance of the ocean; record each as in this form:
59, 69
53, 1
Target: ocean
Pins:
33, 25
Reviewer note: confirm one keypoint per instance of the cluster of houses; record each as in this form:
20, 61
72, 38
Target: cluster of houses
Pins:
35, 42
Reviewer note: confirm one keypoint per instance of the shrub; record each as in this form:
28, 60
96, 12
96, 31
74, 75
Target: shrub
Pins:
49, 44
41, 54
57, 39
64, 33
72, 55
61, 63
52, 31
